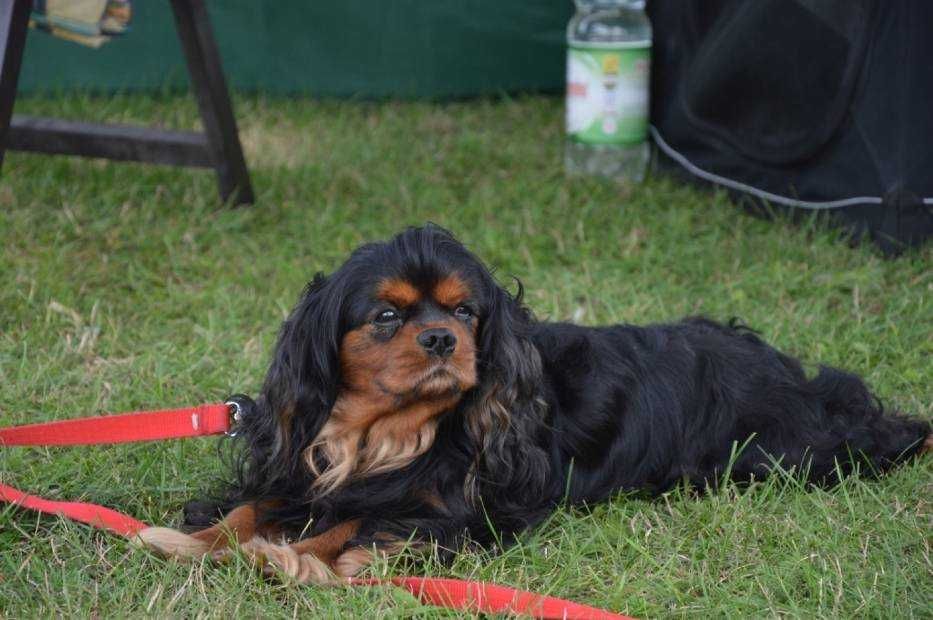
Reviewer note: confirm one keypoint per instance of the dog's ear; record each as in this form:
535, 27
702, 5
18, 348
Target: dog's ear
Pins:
506, 415
303, 375
298, 393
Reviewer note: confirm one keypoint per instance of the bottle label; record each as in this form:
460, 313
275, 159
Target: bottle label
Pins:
607, 93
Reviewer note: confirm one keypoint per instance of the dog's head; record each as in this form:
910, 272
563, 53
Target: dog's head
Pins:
372, 356
410, 324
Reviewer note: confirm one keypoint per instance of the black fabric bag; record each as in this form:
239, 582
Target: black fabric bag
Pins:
803, 104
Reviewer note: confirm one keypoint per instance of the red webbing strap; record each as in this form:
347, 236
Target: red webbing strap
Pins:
92, 514
123, 428
491, 598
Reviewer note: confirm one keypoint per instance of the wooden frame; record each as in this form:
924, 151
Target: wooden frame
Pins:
218, 147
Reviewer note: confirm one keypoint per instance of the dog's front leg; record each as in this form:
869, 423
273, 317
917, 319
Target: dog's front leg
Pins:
239, 526
319, 559
312, 560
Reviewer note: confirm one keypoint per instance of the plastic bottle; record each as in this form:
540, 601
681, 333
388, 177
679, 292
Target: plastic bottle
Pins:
608, 60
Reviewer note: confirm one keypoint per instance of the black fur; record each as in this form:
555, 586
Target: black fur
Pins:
615, 408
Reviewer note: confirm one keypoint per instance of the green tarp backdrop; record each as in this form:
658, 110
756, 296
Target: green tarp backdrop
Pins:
336, 48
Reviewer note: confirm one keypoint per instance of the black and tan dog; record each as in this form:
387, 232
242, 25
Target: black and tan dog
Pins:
411, 398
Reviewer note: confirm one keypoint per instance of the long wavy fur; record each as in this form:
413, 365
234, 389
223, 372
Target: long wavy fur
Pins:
620, 407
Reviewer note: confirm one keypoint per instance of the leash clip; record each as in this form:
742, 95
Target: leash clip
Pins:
236, 417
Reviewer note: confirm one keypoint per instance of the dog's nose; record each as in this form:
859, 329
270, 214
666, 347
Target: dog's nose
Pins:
438, 341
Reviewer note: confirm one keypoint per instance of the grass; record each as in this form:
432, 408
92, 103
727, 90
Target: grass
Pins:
129, 287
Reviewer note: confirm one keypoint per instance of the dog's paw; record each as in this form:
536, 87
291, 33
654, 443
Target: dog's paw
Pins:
171, 543
282, 560
353, 561
201, 514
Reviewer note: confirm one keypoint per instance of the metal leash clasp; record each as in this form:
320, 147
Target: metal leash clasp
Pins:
236, 416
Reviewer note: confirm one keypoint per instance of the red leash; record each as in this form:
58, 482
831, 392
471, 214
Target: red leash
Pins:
214, 419
92, 514
123, 428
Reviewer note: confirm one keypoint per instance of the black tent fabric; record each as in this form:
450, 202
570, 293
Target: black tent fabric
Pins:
809, 105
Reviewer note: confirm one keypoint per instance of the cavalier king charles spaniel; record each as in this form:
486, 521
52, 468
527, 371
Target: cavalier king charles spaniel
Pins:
413, 401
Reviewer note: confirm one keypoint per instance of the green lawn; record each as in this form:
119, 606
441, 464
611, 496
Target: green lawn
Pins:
128, 287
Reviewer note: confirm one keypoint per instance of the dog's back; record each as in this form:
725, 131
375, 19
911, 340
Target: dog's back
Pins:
646, 407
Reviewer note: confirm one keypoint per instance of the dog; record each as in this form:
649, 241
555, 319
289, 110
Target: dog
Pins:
412, 401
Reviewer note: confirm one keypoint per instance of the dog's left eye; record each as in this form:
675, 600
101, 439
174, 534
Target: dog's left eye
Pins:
386, 317
463, 312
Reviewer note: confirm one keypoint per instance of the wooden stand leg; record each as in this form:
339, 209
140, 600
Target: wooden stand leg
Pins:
14, 20
207, 80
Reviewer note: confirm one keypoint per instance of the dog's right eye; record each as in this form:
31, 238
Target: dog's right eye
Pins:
386, 317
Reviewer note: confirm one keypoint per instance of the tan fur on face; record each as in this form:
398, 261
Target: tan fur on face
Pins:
398, 292
450, 291
391, 395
